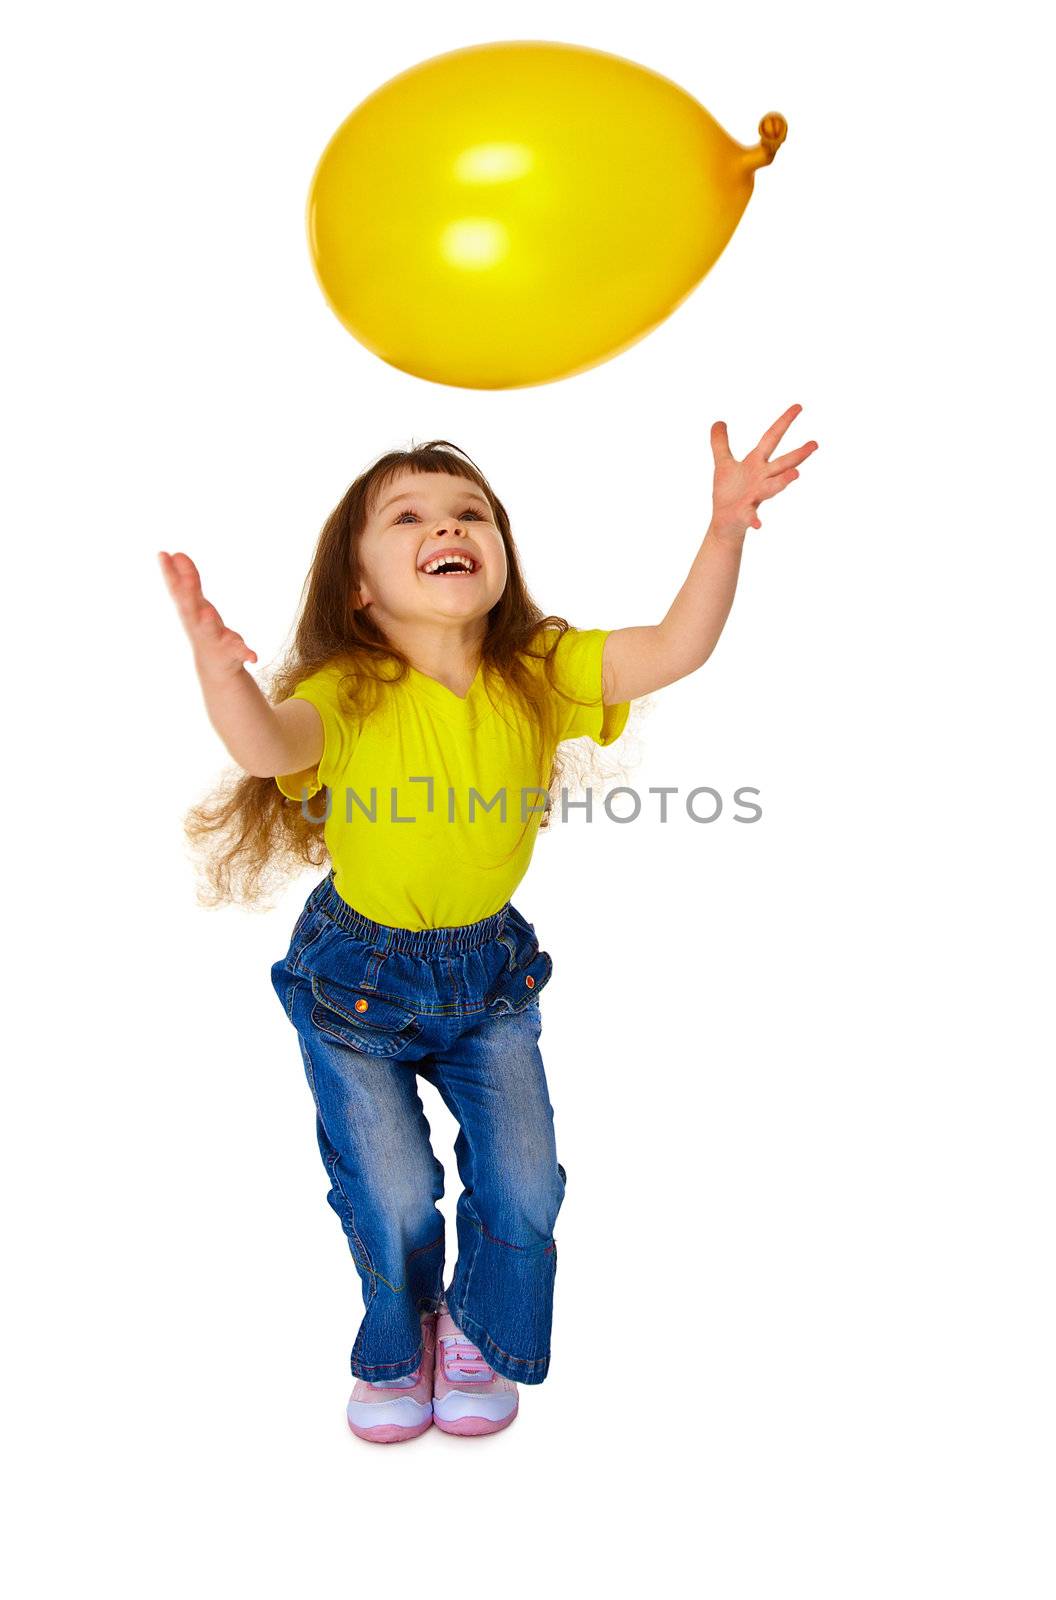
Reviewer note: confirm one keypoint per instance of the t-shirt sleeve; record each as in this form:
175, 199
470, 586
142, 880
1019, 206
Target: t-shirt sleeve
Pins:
577, 672
339, 736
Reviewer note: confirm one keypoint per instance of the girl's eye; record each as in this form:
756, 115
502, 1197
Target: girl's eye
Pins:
469, 512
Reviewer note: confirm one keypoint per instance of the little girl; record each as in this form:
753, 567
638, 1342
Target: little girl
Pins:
425, 694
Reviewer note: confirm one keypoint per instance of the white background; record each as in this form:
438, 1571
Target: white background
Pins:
804, 1313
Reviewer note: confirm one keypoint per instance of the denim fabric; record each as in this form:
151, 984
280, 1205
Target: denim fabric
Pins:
374, 1006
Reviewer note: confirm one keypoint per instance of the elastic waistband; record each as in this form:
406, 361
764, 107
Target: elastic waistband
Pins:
416, 941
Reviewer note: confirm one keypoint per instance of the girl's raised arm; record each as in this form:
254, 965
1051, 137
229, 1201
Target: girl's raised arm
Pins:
639, 660
261, 738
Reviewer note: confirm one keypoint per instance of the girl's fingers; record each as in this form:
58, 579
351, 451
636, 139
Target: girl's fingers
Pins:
208, 618
720, 443
794, 457
240, 649
181, 575
186, 583
170, 572
185, 566
774, 485
202, 621
771, 438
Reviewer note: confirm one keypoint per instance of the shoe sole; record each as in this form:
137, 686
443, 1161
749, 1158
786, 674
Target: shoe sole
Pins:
473, 1426
389, 1432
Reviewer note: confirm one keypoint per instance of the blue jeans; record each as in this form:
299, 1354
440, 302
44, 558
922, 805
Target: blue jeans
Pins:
373, 1006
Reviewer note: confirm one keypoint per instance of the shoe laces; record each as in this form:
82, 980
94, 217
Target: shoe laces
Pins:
462, 1360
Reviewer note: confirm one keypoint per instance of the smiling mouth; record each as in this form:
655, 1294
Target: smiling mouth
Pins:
452, 569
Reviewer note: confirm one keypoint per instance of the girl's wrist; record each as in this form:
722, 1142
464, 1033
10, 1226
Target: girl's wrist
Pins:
723, 531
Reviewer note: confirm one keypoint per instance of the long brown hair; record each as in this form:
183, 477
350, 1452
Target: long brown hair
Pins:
249, 836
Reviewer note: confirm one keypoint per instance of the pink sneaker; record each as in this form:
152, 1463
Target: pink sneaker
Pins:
468, 1396
386, 1414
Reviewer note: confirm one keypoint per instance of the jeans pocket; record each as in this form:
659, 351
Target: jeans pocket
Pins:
360, 1020
518, 984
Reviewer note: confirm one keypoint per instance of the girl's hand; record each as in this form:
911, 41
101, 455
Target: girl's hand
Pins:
219, 652
741, 485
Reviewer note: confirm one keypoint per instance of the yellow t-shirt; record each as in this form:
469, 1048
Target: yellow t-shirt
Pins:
434, 800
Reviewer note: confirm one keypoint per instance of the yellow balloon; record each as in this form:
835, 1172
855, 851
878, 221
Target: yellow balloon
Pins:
513, 213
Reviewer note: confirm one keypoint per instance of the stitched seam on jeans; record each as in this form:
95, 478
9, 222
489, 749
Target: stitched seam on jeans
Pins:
523, 1248
330, 1003
480, 1333
430, 1246
376, 1366
368, 1265
396, 998
331, 1167
468, 1274
375, 970
295, 960
402, 1035
309, 1070
447, 1094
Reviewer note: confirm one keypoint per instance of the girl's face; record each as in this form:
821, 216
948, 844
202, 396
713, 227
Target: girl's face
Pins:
419, 517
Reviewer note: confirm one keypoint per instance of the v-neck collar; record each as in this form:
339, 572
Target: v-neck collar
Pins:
466, 710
